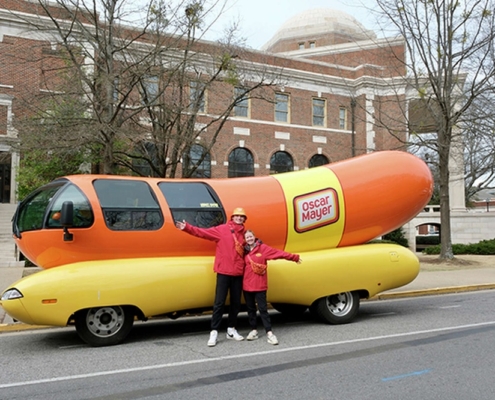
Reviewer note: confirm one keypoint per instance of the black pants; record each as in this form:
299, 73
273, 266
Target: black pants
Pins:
226, 284
253, 298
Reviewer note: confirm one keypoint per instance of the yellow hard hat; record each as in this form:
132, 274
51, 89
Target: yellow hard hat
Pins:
239, 211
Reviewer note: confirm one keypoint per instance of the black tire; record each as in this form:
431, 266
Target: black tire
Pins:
104, 326
290, 310
337, 309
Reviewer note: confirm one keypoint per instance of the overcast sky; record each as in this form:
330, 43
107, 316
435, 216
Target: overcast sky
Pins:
260, 19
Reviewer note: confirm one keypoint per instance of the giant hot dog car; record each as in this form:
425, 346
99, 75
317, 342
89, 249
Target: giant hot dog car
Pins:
111, 252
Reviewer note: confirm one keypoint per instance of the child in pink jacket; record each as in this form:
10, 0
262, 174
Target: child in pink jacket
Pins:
255, 282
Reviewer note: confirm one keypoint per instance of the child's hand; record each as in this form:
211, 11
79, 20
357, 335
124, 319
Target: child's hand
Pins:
180, 224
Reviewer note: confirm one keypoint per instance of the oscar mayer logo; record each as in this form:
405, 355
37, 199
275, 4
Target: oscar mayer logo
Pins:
313, 210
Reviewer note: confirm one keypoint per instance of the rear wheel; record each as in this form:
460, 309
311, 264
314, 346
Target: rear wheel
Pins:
104, 326
338, 308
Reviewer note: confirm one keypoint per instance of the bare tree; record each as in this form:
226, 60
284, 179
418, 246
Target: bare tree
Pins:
188, 91
132, 72
450, 64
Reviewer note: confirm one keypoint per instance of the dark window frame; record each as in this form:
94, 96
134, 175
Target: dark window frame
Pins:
128, 205
276, 164
239, 167
203, 170
318, 160
194, 202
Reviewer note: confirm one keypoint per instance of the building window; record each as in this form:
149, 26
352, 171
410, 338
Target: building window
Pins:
281, 107
319, 112
145, 156
197, 96
241, 163
281, 161
191, 159
317, 160
241, 109
149, 90
301, 46
342, 118
312, 45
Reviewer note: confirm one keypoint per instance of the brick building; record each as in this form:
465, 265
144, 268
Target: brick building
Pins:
338, 91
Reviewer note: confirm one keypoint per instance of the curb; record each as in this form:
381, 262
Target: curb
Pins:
432, 291
19, 326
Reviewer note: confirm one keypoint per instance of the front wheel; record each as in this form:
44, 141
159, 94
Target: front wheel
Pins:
104, 326
338, 308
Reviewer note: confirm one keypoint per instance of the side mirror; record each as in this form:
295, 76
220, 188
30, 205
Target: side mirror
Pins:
67, 220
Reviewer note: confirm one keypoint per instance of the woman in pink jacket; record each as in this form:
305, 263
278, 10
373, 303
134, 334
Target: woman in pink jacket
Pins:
255, 282
229, 266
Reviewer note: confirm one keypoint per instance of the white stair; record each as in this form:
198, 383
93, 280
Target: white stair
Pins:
9, 256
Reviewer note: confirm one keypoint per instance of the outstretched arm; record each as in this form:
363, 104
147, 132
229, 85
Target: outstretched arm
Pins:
273, 254
180, 224
212, 233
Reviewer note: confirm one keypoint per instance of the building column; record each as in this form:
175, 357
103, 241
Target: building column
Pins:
14, 167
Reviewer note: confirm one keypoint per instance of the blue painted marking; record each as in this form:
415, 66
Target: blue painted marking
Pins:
416, 373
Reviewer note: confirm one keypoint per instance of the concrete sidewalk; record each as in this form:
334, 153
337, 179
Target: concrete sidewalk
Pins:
474, 273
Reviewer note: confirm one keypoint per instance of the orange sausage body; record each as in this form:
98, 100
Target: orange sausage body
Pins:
341, 204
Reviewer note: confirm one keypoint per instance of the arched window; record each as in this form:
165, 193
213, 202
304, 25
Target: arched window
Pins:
241, 163
146, 156
281, 161
317, 160
191, 160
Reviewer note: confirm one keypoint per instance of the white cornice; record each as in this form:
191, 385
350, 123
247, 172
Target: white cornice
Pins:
345, 47
21, 24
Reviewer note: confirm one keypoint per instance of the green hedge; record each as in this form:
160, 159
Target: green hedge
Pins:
484, 248
434, 239
397, 236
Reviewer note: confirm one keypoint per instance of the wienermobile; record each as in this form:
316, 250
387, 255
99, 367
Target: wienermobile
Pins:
111, 253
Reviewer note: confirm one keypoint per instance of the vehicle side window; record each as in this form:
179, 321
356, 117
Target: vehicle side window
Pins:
128, 205
83, 213
194, 202
32, 210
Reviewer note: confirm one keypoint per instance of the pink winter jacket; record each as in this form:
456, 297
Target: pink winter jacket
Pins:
227, 259
260, 254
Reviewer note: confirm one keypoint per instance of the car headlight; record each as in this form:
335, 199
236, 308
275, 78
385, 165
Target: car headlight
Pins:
11, 294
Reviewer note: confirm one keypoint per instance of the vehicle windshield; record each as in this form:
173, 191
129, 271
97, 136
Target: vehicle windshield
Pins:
41, 209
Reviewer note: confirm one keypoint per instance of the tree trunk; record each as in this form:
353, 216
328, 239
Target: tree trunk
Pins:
445, 238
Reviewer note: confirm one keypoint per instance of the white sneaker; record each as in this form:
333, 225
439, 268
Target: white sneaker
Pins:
212, 341
253, 335
272, 339
233, 334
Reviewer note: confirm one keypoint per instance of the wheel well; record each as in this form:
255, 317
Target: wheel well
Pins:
363, 294
136, 311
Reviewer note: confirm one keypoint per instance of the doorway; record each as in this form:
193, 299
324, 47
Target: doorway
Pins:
5, 183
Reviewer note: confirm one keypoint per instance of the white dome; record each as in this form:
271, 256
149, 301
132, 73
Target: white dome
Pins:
320, 21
